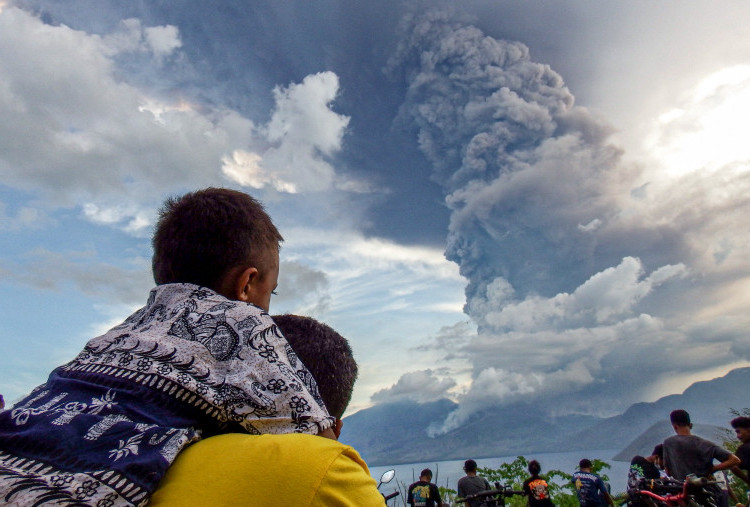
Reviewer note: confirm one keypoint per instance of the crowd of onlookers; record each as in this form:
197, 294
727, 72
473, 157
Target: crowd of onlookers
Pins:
681, 457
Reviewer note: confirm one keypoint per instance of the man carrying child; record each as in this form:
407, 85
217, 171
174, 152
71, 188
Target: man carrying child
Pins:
203, 357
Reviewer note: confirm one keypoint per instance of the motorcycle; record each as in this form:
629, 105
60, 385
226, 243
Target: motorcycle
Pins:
384, 479
693, 492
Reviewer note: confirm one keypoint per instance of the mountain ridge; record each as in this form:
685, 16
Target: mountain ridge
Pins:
394, 433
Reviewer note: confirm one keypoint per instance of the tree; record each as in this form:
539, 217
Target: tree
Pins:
561, 489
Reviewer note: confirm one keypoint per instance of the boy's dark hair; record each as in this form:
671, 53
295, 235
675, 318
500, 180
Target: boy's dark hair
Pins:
326, 354
470, 465
426, 473
740, 422
679, 417
200, 236
658, 451
534, 467
585, 463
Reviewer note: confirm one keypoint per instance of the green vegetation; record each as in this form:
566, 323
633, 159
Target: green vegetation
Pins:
561, 490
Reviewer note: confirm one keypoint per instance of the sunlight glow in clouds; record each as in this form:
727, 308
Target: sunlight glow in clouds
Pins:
303, 130
710, 129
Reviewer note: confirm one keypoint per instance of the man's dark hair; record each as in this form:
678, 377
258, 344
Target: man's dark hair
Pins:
426, 473
679, 417
202, 235
470, 465
584, 463
326, 354
740, 422
534, 467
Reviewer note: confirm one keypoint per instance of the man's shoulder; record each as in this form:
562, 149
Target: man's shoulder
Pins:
586, 475
238, 459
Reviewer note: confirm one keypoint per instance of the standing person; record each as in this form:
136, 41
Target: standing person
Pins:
471, 484
741, 427
685, 453
296, 470
2, 402
590, 488
202, 357
535, 488
424, 493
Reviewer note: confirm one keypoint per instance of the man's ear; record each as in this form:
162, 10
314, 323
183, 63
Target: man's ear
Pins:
337, 428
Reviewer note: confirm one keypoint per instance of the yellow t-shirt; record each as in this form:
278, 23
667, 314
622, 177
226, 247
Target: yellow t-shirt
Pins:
266, 470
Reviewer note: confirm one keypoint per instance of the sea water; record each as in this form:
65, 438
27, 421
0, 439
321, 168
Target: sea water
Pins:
447, 473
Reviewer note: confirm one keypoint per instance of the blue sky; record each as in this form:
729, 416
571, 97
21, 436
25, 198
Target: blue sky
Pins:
492, 200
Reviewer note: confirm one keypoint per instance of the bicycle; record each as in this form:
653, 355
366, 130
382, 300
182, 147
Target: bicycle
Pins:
693, 492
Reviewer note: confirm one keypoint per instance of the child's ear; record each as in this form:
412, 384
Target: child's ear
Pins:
238, 283
244, 284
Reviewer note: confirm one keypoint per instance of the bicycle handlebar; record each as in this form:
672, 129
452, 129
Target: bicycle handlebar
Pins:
392, 495
491, 492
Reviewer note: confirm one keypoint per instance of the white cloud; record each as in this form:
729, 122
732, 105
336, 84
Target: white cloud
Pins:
419, 386
162, 39
603, 298
75, 132
23, 219
56, 271
245, 168
707, 130
132, 36
302, 131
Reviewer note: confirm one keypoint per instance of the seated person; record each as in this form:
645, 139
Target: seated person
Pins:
296, 469
202, 357
643, 468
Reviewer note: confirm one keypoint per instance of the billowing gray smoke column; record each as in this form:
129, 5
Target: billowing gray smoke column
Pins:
537, 196
527, 174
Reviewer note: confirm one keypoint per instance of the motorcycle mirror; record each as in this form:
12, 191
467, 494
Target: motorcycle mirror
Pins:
387, 476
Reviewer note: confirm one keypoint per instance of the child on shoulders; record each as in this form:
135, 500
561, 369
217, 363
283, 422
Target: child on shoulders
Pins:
203, 357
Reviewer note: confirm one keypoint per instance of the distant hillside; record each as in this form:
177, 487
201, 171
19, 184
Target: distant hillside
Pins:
708, 402
396, 433
645, 442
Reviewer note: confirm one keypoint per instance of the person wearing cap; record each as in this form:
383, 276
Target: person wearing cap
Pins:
685, 453
424, 493
590, 488
472, 484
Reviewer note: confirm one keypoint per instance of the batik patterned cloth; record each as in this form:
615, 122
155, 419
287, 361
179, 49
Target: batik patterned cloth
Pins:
191, 363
